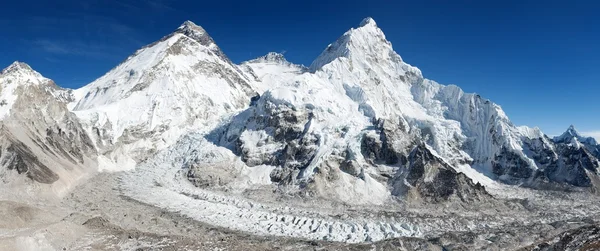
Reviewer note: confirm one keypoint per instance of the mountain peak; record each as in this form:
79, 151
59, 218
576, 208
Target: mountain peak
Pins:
364, 41
271, 57
572, 134
274, 56
196, 32
21, 70
572, 131
368, 21
17, 67
189, 25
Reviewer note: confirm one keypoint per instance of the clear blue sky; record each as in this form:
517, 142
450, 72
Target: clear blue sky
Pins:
538, 59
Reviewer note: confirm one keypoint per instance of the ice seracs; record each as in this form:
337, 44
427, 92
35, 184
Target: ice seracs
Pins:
364, 42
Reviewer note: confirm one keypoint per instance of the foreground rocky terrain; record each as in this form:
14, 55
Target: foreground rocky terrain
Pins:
100, 215
178, 148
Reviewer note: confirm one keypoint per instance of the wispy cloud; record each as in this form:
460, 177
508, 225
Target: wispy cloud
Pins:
92, 36
149, 5
85, 26
595, 134
88, 31
160, 5
72, 47
52, 60
52, 47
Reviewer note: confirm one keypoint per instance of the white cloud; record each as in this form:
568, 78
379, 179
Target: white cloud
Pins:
595, 134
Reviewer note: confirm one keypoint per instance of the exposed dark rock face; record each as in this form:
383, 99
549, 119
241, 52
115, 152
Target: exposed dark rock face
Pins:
419, 173
574, 166
563, 162
541, 150
40, 137
428, 177
351, 167
377, 147
286, 127
511, 167
195, 32
17, 156
276, 134
273, 134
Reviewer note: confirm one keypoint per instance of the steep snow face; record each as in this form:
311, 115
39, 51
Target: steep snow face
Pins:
365, 42
270, 70
182, 81
39, 137
363, 64
464, 129
488, 133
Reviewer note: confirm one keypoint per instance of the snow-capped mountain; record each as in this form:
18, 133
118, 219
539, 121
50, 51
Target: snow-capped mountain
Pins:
147, 102
463, 129
39, 137
362, 113
351, 121
359, 119
571, 136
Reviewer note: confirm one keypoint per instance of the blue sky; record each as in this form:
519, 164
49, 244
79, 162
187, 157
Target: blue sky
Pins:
538, 59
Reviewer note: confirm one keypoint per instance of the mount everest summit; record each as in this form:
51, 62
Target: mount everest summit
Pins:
359, 126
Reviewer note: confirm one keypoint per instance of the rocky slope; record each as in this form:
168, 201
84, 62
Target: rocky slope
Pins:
582, 238
39, 137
